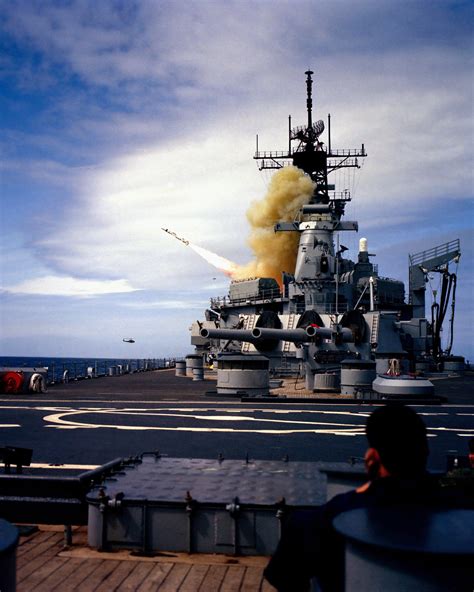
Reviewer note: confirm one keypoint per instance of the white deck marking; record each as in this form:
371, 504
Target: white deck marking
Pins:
63, 466
10, 425
57, 420
225, 412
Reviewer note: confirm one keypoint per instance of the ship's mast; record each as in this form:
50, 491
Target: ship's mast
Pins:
317, 271
308, 153
309, 100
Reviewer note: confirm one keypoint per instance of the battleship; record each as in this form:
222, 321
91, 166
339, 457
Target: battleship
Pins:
329, 313
340, 321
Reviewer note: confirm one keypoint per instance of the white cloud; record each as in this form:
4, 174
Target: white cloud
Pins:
199, 190
69, 286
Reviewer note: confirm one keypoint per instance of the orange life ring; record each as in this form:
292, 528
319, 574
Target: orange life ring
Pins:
11, 382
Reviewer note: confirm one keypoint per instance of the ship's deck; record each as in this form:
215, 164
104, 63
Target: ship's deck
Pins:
44, 564
146, 386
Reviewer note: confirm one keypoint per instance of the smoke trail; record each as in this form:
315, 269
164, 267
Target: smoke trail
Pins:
276, 252
225, 265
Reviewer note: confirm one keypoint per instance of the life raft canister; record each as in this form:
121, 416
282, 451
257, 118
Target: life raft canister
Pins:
11, 382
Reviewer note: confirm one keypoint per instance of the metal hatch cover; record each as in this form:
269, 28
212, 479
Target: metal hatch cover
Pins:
199, 505
259, 482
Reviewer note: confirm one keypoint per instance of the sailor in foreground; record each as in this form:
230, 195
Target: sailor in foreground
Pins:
396, 467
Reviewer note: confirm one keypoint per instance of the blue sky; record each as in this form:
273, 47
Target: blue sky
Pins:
119, 118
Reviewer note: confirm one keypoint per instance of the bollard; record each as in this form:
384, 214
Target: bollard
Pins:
180, 368
198, 374
193, 361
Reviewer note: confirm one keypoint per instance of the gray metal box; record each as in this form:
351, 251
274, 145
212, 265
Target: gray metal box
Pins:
200, 505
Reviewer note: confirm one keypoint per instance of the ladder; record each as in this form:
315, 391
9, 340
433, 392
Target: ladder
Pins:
374, 332
291, 325
249, 324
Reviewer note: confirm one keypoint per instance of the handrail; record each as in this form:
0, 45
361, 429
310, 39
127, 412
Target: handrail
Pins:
439, 250
270, 294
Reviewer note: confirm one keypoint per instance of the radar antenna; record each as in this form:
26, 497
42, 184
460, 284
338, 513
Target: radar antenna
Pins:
312, 156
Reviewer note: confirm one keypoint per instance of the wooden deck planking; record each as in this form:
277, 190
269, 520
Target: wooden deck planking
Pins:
194, 578
95, 579
38, 576
155, 577
213, 579
36, 545
136, 577
45, 565
232, 579
252, 579
116, 577
38, 537
175, 577
33, 560
63, 574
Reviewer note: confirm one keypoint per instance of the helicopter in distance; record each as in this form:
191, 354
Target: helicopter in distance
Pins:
128, 340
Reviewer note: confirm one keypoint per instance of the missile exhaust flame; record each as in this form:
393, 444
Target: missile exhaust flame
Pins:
225, 265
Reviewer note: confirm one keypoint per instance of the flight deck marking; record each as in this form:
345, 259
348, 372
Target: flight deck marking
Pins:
58, 422
340, 429
235, 415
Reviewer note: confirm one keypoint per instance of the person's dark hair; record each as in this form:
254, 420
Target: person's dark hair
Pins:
399, 436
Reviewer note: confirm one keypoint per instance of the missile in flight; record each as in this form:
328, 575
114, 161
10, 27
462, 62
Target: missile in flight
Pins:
183, 240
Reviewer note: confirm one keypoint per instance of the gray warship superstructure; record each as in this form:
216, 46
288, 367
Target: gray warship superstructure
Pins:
330, 308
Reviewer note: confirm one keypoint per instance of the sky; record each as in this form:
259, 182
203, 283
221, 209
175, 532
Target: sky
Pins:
122, 117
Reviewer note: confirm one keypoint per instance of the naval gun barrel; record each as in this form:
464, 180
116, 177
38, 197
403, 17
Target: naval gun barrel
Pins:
327, 333
301, 335
262, 333
232, 334
295, 335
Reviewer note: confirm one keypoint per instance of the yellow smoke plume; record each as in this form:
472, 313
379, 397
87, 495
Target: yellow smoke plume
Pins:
275, 252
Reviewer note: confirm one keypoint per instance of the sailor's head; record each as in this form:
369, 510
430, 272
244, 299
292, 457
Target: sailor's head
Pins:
398, 445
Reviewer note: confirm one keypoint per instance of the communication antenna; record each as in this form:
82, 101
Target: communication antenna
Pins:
318, 128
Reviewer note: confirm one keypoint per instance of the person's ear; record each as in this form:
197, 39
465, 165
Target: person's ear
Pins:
372, 463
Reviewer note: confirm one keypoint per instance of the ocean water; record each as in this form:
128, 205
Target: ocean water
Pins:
77, 368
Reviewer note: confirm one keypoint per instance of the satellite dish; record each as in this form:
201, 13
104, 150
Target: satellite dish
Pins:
318, 127
128, 340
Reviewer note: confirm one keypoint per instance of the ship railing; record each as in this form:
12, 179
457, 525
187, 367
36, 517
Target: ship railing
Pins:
272, 154
346, 163
438, 251
330, 309
263, 296
62, 372
340, 195
348, 152
333, 154
45, 499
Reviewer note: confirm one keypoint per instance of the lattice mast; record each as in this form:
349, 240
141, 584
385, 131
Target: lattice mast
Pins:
307, 152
